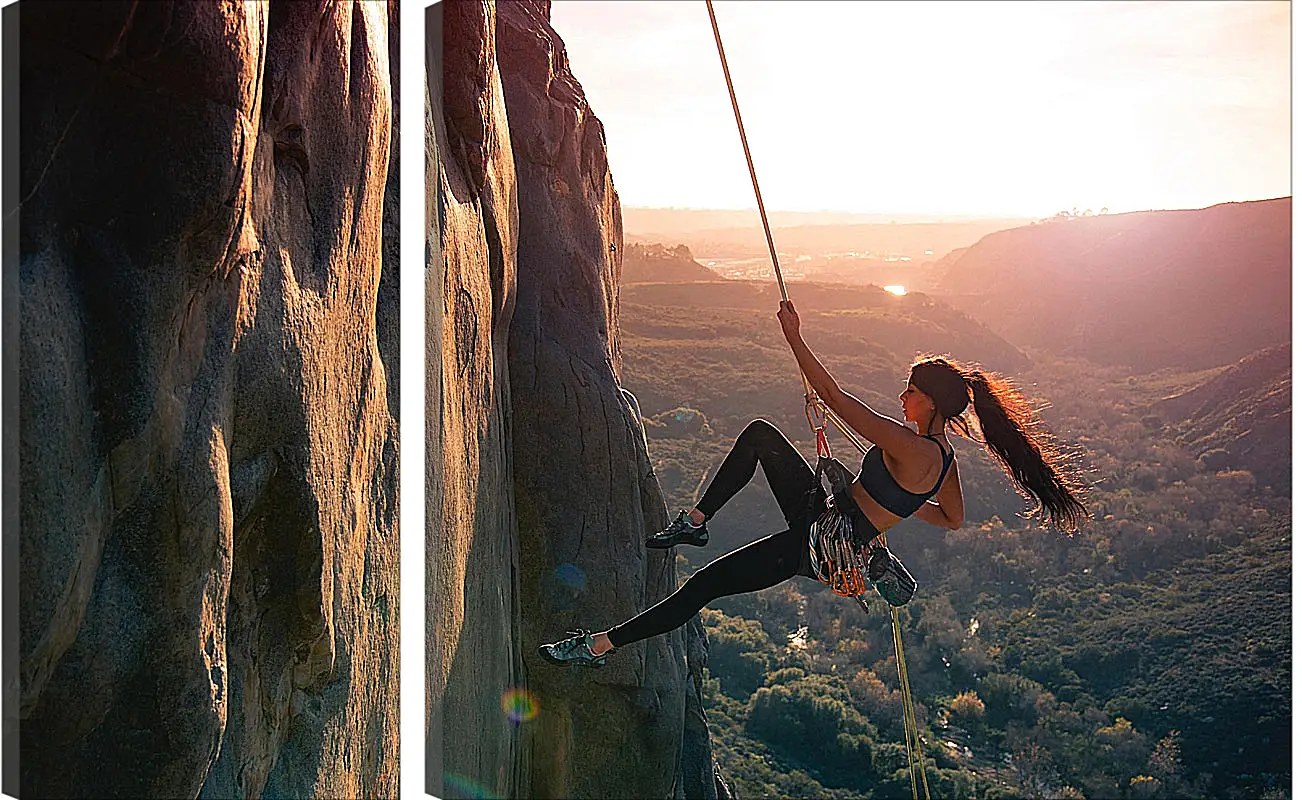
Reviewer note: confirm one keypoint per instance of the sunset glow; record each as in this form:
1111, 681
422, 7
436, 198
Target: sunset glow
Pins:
1011, 108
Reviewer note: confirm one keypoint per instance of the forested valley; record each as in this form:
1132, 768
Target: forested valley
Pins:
1146, 656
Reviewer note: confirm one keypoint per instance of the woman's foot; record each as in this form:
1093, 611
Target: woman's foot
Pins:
581, 647
686, 529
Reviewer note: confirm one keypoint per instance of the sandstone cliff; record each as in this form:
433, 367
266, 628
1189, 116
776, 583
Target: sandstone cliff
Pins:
546, 488
472, 553
208, 452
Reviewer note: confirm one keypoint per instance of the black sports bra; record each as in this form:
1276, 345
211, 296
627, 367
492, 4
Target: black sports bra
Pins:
881, 486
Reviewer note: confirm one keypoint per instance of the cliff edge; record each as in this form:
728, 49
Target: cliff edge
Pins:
546, 487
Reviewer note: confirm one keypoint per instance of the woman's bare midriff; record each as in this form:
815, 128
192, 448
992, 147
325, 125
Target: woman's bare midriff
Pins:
878, 516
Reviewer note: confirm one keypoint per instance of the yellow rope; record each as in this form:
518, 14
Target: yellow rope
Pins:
841, 426
912, 741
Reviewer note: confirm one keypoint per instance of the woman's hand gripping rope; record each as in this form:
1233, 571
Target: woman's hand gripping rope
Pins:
790, 320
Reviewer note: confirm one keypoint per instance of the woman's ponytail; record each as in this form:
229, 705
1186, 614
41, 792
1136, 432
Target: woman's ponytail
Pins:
1006, 426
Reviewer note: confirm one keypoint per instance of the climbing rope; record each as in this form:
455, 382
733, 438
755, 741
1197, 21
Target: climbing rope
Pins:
837, 560
754, 181
912, 740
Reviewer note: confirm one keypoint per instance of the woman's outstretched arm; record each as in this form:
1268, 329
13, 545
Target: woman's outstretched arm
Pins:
890, 435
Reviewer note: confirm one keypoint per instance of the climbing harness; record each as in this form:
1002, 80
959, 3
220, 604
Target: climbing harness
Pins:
837, 557
846, 551
834, 549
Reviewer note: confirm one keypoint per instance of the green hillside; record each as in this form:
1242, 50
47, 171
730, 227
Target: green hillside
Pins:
1241, 417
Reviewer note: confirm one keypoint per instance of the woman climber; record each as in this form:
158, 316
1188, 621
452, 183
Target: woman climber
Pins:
905, 474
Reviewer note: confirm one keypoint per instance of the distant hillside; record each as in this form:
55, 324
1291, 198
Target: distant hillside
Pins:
1242, 418
903, 326
671, 221
917, 241
655, 262
1065, 661
1189, 289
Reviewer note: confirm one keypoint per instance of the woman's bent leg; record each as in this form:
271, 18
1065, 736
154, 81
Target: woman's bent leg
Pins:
789, 475
756, 566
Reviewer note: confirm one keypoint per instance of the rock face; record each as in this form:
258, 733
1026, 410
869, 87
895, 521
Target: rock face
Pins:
546, 489
208, 454
585, 493
474, 658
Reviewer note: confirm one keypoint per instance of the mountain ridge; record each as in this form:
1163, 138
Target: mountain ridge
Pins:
1190, 289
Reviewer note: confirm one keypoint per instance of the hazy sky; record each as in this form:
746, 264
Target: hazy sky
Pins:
1018, 108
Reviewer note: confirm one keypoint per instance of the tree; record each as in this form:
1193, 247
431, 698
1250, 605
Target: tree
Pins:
741, 654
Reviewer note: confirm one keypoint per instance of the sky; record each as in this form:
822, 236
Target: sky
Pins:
985, 108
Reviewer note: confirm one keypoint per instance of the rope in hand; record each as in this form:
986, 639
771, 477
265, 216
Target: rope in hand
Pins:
818, 414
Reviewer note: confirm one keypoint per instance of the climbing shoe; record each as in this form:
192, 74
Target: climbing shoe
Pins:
575, 650
680, 531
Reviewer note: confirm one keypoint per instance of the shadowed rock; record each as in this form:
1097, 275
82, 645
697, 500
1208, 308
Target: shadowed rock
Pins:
546, 488
208, 456
585, 491
472, 555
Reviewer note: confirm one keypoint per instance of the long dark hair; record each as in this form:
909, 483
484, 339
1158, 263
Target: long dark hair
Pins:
1007, 425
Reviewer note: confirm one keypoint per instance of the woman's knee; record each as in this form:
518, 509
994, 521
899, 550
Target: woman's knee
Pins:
761, 430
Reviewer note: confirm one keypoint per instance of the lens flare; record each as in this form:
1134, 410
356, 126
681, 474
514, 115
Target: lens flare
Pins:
519, 705
572, 576
465, 787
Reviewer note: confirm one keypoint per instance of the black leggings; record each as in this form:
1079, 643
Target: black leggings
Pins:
755, 566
